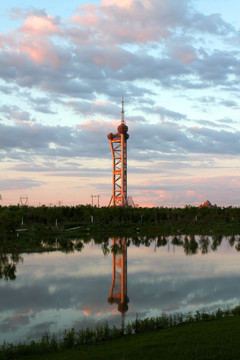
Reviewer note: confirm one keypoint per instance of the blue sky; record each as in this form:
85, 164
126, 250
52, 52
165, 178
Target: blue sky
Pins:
64, 67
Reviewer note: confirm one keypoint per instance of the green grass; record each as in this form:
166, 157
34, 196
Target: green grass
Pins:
218, 339
199, 336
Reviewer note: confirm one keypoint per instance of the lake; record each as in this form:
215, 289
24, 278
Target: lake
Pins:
55, 290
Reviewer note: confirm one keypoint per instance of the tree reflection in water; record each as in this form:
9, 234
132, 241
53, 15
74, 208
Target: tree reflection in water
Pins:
191, 244
8, 264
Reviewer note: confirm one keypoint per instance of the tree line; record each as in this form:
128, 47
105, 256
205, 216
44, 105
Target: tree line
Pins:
12, 217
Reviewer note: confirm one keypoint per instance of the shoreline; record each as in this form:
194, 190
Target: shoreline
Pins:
198, 325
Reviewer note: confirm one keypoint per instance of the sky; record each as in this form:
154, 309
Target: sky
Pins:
64, 67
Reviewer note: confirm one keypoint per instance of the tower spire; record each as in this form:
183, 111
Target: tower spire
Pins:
122, 117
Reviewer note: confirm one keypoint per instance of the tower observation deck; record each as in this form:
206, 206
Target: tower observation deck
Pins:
118, 144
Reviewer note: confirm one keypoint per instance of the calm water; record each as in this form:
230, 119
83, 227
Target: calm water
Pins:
53, 291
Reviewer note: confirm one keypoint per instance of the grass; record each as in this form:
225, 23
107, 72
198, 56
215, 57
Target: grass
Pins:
218, 339
200, 336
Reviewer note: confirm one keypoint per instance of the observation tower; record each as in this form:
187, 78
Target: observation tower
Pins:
118, 144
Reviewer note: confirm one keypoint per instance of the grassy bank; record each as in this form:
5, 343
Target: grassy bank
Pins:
217, 339
200, 337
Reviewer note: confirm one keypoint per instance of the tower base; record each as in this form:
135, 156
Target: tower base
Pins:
129, 202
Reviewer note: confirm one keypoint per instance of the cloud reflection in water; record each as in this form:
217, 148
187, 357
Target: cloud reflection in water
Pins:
54, 291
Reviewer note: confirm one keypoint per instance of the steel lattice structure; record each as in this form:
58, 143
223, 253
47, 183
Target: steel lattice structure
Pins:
118, 144
118, 292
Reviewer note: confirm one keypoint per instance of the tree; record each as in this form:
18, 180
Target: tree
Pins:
9, 222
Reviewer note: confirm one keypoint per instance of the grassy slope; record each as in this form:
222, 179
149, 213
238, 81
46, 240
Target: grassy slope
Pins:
217, 339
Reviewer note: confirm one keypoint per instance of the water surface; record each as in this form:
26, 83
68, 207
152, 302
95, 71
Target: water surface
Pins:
54, 290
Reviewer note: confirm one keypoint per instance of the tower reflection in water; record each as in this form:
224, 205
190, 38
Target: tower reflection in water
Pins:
118, 292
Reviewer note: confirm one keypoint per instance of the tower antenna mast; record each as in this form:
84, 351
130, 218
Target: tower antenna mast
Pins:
122, 114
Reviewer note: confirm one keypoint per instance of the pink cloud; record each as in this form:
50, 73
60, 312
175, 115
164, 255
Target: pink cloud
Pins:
41, 51
36, 25
190, 191
18, 317
90, 310
98, 126
129, 21
87, 7
86, 20
21, 122
120, 3
32, 39
86, 313
100, 102
91, 125
2, 41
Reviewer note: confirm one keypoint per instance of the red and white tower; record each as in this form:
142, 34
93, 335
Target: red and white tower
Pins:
118, 144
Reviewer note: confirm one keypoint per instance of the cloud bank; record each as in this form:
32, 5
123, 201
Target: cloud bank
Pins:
62, 79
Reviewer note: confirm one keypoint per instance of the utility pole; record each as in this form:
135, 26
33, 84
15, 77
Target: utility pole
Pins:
23, 200
95, 196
